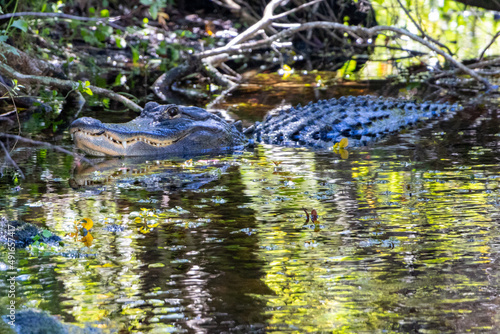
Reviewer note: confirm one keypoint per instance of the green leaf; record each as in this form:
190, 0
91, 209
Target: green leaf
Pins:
105, 101
21, 25
104, 13
174, 53
120, 43
153, 10
146, 2
135, 55
3, 38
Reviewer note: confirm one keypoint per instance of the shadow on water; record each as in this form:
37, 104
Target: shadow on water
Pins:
406, 238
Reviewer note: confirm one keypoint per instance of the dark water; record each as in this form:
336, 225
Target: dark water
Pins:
406, 240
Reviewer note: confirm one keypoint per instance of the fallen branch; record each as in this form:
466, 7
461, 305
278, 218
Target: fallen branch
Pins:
361, 31
106, 20
242, 44
11, 161
66, 84
41, 143
477, 65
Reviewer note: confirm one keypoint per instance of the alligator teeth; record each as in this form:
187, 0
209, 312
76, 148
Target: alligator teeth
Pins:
124, 143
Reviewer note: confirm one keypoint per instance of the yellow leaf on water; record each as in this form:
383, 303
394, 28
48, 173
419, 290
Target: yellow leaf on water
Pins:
87, 240
86, 223
286, 68
144, 230
343, 143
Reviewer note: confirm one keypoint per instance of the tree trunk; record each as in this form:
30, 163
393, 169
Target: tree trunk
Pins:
486, 4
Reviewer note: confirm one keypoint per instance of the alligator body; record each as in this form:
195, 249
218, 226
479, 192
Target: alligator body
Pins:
163, 129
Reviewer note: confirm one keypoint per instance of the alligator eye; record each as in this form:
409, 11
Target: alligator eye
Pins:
173, 112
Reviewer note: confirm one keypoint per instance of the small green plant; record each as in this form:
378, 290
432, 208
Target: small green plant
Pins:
19, 24
84, 87
38, 246
155, 6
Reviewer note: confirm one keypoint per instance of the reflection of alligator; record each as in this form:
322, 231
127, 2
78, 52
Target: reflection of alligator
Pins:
150, 175
162, 129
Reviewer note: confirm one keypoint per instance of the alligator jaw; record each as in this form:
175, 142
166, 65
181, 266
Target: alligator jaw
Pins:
99, 139
108, 143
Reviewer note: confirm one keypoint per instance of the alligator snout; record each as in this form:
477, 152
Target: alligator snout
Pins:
88, 124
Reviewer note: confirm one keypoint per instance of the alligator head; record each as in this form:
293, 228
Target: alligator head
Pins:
159, 130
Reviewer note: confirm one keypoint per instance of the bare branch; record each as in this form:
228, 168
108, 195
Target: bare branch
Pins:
489, 44
293, 10
261, 24
422, 30
360, 31
10, 160
480, 64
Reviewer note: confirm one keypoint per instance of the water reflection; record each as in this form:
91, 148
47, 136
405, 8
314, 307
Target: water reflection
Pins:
406, 238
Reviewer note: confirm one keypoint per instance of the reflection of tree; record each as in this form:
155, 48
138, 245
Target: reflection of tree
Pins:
210, 270
403, 245
189, 265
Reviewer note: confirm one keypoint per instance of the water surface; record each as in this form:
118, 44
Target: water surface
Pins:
406, 238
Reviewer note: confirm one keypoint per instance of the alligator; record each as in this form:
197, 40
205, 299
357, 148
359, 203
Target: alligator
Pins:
164, 129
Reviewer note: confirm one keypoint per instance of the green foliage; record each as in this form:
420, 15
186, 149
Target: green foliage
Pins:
348, 69
135, 54
120, 42
20, 24
98, 36
38, 247
103, 32
83, 87
104, 13
154, 6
